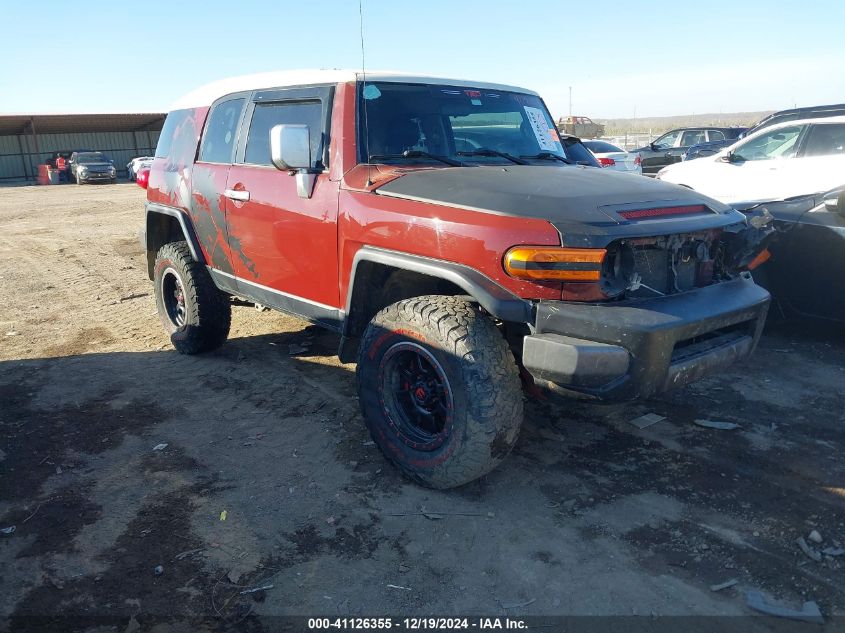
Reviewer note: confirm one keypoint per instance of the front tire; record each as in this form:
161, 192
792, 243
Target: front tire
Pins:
193, 311
439, 390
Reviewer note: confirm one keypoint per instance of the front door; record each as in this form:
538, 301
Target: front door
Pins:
284, 247
658, 155
760, 168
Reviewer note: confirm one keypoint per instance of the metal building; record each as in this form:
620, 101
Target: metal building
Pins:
29, 139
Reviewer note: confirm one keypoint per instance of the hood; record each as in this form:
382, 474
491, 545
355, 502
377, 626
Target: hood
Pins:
794, 209
96, 166
585, 204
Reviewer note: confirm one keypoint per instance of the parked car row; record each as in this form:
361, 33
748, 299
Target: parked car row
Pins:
87, 165
776, 162
813, 112
792, 166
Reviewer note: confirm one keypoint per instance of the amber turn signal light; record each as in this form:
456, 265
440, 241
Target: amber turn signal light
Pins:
762, 257
555, 264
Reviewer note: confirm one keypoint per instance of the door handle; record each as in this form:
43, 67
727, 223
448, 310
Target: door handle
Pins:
234, 194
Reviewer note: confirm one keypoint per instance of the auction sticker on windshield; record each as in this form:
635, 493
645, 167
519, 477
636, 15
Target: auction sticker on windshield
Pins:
540, 126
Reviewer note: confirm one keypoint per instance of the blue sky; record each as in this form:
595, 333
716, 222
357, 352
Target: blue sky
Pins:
621, 58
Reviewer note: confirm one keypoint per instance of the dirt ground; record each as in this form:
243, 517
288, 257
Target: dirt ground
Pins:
268, 476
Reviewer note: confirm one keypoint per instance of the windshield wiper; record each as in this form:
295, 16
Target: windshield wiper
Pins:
415, 153
483, 151
550, 156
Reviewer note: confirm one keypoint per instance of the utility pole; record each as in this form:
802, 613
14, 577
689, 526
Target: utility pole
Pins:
570, 101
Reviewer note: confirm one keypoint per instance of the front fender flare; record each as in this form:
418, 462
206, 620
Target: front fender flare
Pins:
495, 299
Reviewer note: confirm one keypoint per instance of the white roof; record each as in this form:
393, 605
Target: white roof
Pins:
814, 121
209, 93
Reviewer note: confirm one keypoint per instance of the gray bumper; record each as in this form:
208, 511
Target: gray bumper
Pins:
90, 176
635, 349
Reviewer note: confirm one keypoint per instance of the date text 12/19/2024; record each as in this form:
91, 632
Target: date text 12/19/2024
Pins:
416, 624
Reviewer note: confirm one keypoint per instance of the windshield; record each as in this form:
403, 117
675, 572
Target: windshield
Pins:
92, 157
459, 124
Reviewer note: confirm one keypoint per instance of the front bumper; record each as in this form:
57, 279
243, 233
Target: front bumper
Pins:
96, 176
634, 349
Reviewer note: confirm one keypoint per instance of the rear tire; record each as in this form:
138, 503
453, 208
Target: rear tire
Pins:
193, 311
439, 390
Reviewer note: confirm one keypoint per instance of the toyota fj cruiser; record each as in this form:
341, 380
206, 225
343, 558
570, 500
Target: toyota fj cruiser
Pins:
443, 231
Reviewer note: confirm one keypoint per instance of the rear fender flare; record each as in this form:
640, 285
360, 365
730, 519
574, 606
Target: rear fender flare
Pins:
155, 236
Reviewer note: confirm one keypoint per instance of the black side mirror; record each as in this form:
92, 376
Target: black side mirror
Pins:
836, 203
728, 158
653, 147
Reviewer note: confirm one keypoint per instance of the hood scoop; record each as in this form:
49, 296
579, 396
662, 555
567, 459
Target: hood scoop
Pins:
664, 212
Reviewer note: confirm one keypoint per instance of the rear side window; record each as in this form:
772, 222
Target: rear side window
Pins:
601, 147
692, 137
824, 140
174, 125
218, 142
268, 115
576, 151
715, 135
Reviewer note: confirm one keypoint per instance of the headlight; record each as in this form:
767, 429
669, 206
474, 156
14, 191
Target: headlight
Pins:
555, 263
111, 170
82, 170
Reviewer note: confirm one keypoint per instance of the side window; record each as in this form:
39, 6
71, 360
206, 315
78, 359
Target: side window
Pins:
779, 143
825, 140
667, 140
178, 136
715, 135
692, 137
268, 115
218, 142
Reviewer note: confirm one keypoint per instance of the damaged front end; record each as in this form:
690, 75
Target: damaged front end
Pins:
676, 308
666, 265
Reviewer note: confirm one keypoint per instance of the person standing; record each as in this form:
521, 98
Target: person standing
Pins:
61, 165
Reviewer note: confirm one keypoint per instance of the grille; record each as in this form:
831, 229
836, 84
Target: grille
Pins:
654, 265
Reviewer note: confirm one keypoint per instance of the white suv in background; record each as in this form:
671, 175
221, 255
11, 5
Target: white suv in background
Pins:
784, 160
134, 166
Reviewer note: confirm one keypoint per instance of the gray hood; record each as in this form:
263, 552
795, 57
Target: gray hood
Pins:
583, 203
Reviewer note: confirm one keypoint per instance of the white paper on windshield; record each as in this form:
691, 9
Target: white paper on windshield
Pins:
545, 136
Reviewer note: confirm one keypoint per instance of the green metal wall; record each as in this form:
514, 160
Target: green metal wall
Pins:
19, 160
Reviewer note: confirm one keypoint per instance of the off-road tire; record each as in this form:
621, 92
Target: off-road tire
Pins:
207, 311
482, 376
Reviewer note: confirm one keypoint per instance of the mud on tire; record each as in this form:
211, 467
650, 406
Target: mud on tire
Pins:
195, 314
439, 389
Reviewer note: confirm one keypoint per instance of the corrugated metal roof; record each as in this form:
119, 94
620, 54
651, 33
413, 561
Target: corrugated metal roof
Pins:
13, 124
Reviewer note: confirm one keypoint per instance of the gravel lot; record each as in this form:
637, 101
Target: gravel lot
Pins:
590, 515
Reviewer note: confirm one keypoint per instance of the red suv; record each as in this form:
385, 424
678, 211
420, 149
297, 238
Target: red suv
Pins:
444, 230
